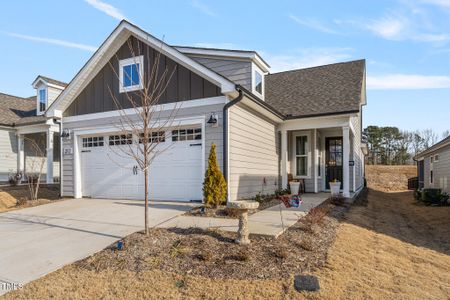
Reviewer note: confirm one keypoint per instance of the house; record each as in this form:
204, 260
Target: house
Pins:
266, 126
433, 166
22, 121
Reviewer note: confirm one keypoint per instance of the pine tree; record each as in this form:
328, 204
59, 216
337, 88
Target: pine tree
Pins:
214, 186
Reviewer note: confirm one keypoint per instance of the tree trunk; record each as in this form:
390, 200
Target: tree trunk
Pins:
146, 200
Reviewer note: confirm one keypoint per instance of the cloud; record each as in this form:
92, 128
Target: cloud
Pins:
107, 9
52, 41
307, 57
407, 82
313, 24
203, 8
389, 27
443, 3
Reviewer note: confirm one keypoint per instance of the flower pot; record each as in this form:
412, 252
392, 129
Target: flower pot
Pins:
295, 186
335, 188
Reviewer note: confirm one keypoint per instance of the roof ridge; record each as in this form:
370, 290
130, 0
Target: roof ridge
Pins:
321, 66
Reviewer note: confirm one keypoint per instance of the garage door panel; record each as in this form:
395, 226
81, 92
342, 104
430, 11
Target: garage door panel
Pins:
175, 174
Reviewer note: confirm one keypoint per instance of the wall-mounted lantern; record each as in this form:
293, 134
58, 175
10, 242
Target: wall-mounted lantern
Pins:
213, 120
65, 134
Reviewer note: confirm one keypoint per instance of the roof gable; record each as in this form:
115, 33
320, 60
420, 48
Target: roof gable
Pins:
110, 46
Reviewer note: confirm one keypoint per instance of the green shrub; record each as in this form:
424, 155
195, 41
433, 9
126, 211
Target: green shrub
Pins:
214, 186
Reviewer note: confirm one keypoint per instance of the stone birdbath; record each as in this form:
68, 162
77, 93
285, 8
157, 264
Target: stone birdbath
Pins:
243, 207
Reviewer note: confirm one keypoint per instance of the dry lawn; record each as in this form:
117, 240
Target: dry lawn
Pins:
389, 178
388, 247
16, 197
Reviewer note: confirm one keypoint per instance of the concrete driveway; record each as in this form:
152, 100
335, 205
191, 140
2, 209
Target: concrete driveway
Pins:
36, 241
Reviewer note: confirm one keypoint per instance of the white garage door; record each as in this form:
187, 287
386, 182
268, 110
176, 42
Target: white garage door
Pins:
176, 174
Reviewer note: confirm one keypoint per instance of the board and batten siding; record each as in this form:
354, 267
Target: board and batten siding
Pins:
253, 154
100, 92
212, 135
8, 153
441, 170
238, 71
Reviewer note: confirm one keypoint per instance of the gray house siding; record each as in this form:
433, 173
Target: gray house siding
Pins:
441, 170
8, 153
184, 84
212, 135
253, 154
238, 71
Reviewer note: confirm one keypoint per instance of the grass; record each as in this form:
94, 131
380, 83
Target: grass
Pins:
387, 247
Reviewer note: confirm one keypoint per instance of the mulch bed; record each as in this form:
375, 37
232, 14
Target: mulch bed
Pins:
222, 211
213, 254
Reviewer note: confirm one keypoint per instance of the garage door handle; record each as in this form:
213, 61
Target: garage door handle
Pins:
85, 150
199, 144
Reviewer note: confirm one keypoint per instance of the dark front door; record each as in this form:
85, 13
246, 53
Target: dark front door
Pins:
333, 160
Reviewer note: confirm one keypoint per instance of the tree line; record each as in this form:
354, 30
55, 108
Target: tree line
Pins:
392, 146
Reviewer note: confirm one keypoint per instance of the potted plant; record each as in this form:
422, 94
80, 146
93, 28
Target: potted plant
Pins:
294, 184
335, 187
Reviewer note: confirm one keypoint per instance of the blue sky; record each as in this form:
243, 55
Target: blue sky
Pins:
406, 43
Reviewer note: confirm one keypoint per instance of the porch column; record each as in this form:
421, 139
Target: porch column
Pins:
314, 160
345, 160
284, 158
49, 156
20, 154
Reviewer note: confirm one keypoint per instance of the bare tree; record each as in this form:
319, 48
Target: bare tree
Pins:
35, 165
445, 134
146, 123
429, 137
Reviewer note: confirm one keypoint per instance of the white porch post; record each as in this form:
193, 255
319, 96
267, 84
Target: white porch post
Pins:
20, 154
50, 156
345, 160
284, 159
315, 156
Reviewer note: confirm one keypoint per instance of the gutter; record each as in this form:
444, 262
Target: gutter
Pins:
225, 131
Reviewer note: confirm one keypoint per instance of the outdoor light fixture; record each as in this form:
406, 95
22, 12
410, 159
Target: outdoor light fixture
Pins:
65, 133
213, 120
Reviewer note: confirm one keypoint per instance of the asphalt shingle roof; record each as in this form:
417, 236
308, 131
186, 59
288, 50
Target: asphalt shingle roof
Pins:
17, 110
54, 81
322, 90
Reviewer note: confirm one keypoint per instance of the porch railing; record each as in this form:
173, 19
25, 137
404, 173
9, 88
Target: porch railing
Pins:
413, 183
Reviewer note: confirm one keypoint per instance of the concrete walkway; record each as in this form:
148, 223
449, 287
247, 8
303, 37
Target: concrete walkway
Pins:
266, 222
38, 240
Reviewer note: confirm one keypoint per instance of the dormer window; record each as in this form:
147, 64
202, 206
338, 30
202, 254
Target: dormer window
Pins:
258, 82
42, 100
130, 72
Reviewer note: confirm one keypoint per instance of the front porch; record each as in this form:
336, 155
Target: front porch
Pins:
319, 151
37, 144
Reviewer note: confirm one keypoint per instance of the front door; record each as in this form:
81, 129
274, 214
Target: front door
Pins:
333, 160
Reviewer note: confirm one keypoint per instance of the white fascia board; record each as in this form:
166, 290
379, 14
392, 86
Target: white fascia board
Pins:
156, 108
316, 122
107, 50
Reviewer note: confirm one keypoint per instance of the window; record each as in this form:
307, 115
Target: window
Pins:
95, 141
301, 155
186, 134
120, 139
431, 176
436, 158
42, 100
258, 82
319, 157
155, 137
130, 73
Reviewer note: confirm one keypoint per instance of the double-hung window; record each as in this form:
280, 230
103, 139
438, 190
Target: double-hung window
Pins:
258, 82
301, 156
131, 74
42, 100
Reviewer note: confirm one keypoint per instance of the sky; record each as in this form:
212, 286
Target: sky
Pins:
406, 43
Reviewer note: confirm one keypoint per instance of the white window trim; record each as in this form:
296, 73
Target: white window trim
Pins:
256, 69
308, 155
131, 61
39, 111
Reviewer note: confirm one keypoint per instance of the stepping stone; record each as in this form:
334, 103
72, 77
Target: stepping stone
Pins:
306, 283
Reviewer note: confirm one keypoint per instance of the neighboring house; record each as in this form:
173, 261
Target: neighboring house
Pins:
23, 120
302, 122
433, 166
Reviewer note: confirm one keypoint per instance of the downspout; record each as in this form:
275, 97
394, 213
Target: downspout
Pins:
225, 131
60, 155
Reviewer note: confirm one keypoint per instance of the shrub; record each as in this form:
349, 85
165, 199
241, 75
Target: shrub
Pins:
214, 186
15, 178
316, 215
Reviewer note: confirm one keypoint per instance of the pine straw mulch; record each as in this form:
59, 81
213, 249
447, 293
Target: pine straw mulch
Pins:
222, 211
213, 254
